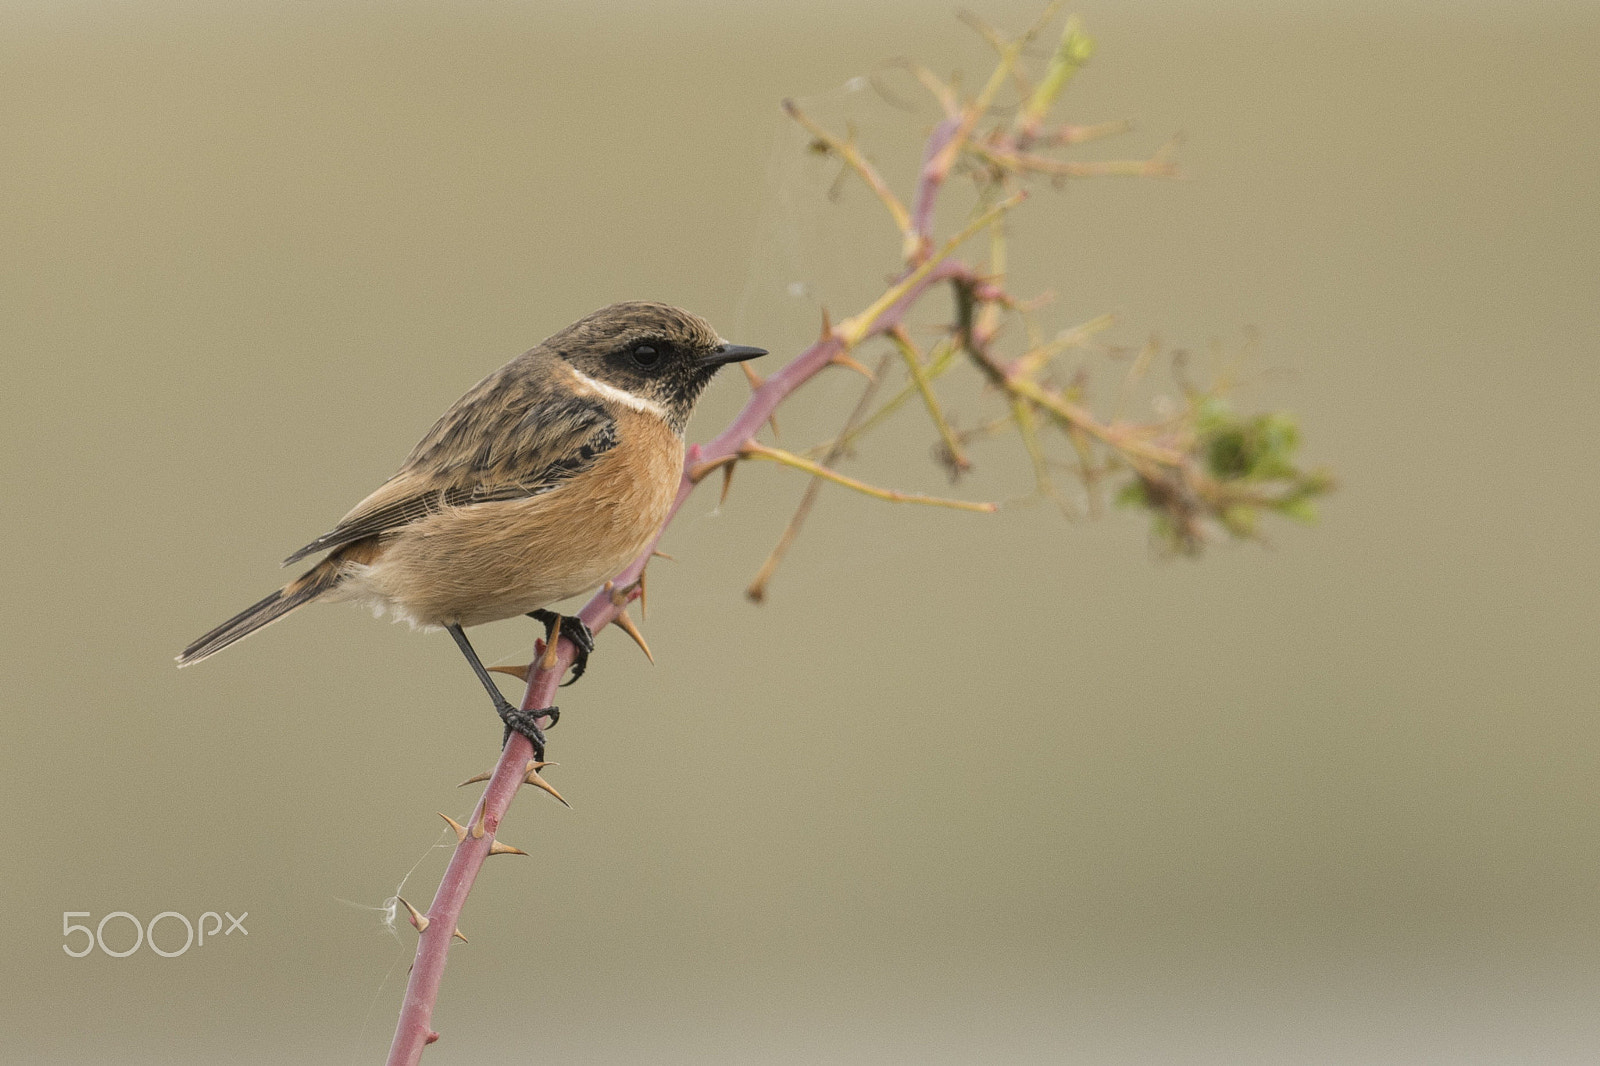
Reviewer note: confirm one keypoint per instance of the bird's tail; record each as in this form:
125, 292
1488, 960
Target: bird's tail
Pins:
302, 590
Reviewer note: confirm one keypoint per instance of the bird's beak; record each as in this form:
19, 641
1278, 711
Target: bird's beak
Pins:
730, 353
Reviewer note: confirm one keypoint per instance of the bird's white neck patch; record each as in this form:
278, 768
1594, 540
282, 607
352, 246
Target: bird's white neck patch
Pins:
622, 396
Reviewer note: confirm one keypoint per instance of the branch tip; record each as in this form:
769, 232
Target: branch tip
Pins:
827, 143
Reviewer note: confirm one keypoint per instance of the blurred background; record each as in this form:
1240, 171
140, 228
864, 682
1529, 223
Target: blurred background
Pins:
1004, 789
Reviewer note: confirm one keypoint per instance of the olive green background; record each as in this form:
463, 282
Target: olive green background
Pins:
966, 789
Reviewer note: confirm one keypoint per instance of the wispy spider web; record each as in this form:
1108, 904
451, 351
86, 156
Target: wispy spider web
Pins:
823, 239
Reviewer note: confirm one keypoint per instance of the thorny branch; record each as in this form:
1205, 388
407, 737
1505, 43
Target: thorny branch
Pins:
1196, 468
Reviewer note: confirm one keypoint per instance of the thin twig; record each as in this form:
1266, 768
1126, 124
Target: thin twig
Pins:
919, 377
857, 162
942, 358
757, 590
852, 331
754, 450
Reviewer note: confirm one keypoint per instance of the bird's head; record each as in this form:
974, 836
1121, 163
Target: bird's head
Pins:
654, 353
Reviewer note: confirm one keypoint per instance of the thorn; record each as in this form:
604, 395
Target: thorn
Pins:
535, 780
727, 483
657, 552
623, 622
841, 359
416, 916
497, 848
519, 672
698, 471
474, 780
756, 380
432, 1037
827, 326
619, 597
644, 603
552, 642
459, 935
461, 830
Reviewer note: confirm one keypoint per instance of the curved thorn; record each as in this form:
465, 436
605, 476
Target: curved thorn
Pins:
417, 918
461, 830
841, 359
624, 623
497, 848
459, 935
536, 781
698, 471
519, 672
475, 778
551, 643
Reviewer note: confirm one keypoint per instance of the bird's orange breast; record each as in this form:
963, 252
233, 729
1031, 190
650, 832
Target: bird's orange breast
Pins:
487, 561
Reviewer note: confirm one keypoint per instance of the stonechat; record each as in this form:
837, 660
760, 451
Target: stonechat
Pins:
544, 480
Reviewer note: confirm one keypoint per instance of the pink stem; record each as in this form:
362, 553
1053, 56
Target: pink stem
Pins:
930, 179
413, 1032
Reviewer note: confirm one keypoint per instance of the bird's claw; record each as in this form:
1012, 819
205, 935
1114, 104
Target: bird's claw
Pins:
574, 629
527, 723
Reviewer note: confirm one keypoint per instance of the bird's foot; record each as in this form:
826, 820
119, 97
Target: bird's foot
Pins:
573, 628
527, 723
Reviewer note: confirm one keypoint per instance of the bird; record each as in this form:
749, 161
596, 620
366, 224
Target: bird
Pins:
542, 481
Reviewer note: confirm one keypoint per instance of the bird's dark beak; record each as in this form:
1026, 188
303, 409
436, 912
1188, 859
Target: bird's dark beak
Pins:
730, 353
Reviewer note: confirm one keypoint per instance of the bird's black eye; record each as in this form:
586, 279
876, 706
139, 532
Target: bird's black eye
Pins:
645, 355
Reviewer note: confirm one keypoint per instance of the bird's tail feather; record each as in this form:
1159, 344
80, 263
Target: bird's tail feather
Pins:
302, 590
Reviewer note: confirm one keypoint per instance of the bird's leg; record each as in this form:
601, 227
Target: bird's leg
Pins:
517, 721
574, 629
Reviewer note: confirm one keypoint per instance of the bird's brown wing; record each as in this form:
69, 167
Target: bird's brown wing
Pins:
510, 437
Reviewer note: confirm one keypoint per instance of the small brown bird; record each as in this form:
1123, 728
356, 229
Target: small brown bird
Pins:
544, 480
